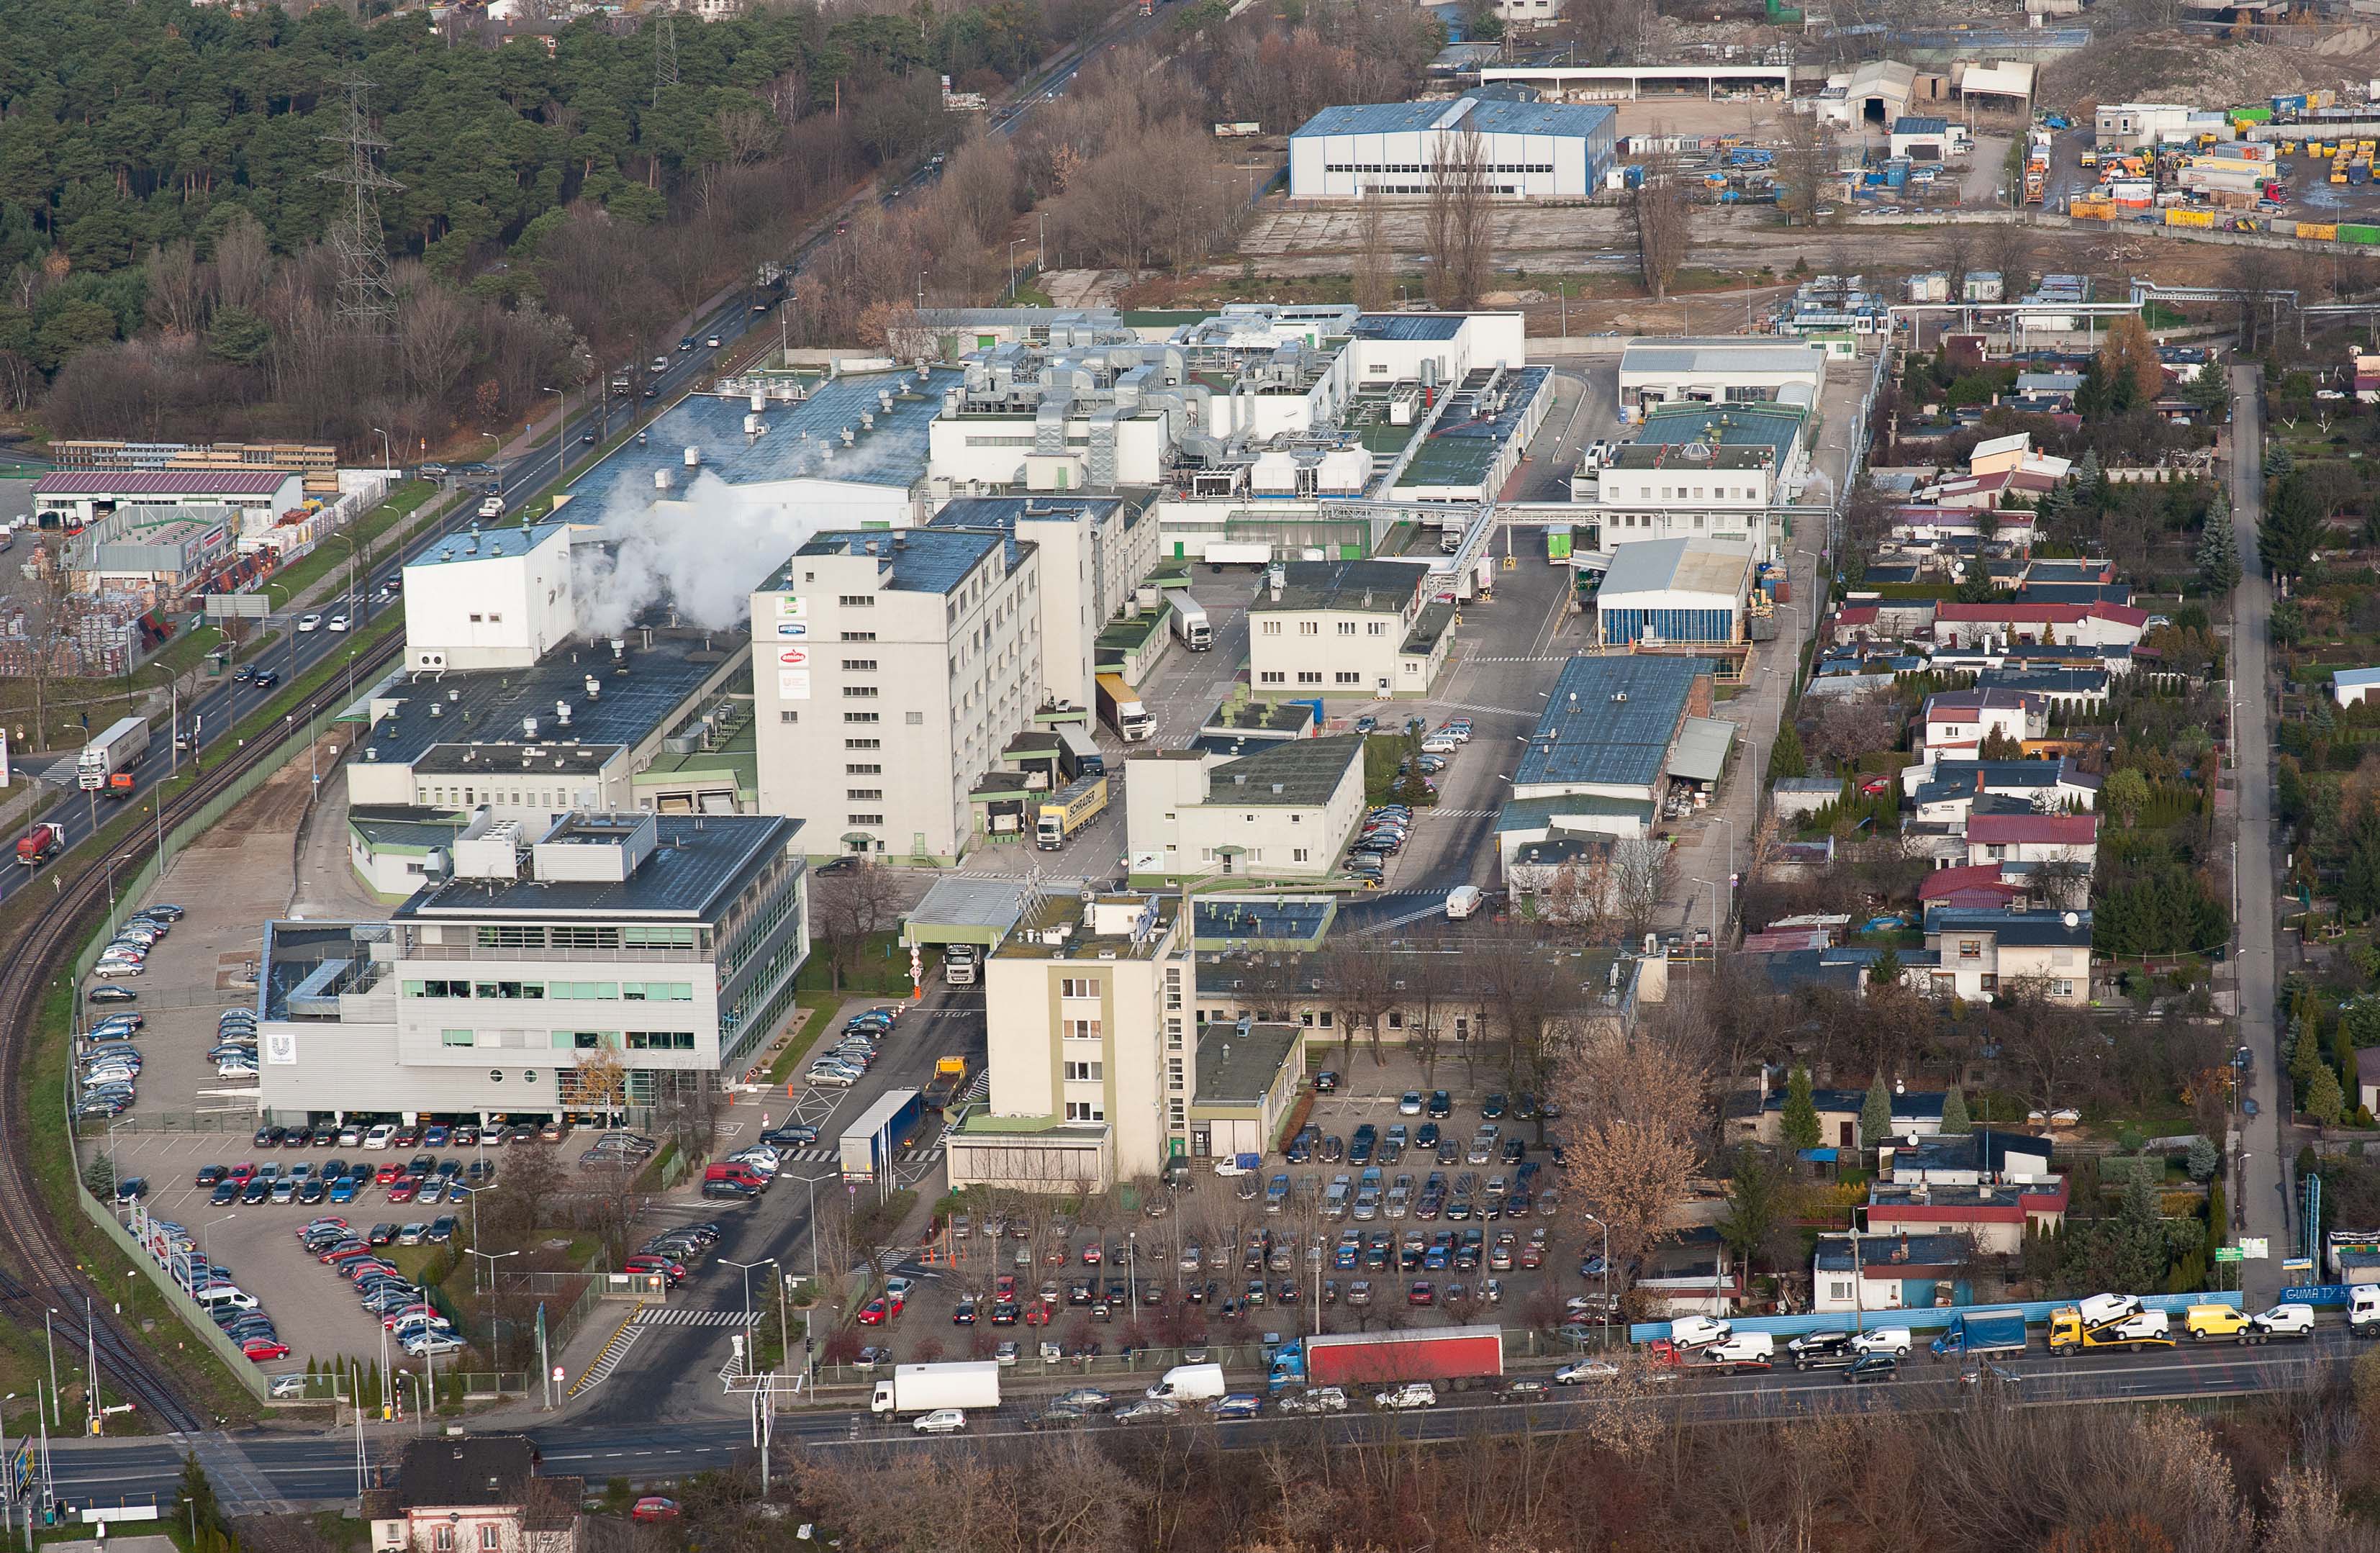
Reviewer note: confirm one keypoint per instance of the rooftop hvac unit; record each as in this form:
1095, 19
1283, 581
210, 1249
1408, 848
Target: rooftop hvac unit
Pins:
760, 401
661, 480
693, 458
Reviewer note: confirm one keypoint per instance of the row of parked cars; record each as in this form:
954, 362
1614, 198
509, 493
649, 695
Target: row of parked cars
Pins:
403, 1306
108, 1066
126, 954
375, 1137
425, 1180
238, 1313
844, 1064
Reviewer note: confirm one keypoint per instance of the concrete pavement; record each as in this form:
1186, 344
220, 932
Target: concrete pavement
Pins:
2260, 1196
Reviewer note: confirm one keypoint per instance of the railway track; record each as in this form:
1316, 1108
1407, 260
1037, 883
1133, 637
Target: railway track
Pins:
40, 1278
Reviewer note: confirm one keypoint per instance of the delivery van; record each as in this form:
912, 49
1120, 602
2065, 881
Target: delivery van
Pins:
1189, 1383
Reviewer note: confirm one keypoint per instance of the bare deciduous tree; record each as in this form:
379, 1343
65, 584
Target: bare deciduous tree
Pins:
1635, 1106
847, 908
1459, 219
1374, 263
1662, 212
1805, 166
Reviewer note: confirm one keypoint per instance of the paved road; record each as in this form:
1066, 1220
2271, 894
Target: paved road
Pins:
2260, 1194
319, 1468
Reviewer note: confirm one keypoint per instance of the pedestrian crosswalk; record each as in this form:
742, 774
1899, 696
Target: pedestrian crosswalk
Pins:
684, 1317
819, 1154
1455, 814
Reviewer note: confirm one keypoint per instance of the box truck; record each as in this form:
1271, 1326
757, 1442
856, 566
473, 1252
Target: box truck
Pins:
1449, 1354
964, 1385
1190, 621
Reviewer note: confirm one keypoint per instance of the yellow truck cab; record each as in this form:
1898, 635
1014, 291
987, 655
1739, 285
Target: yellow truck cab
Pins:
2207, 1323
2108, 1321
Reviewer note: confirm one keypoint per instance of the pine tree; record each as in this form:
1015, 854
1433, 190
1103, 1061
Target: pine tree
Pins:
1800, 1117
1885, 972
2278, 461
1785, 757
2140, 1231
2218, 1219
2286, 540
2324, 1101
1875, 1113
2203, 1160
2305, 1053
2087, 477
2219, 550
1955, 1122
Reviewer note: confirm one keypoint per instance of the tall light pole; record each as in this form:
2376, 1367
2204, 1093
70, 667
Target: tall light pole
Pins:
1605, 1312
50, 1337
746, 1268
561, 430
388, 459
172, 719
210, 1224
491, 1258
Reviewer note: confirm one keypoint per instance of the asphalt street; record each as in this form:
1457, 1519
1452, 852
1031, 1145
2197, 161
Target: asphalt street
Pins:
324, 1468
2261, 1199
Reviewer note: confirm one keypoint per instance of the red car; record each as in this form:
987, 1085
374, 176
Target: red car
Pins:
387, 1173
1091, 1254
402, 1189
1876, 787
242, 1171
653, 1507
873, 1314
262, 1349
1037, 1314
1419, 1294
405, 1138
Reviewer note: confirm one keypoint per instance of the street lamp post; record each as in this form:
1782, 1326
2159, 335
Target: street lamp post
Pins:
387, 458
204, 1243
561, 432
745, 1268
491, 1258
1605, 1228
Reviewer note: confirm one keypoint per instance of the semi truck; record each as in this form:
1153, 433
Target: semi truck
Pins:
1454, 1355
959, 961
39, 845
1121, 710
966, 1385
105, 764
1068, 811
950, 1078
876, 1137
1190, 621
1982, 1334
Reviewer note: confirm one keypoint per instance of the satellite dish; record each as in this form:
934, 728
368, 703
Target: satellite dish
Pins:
2073, 920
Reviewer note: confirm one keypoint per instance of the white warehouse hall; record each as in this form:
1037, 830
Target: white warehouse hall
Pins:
1527, 151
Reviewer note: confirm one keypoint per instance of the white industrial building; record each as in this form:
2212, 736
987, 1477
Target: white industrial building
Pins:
1718, 370
75, 499
1355, 630
1923, 138
670, 945
1527, 151
1280, 813
889, 671
851, 453
493, 598
1670, 592
1093, 550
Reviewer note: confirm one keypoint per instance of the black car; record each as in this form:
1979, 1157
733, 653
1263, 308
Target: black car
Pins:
1871, 1366
111, 993
1325, 1082
790, 1138
266, 679
1492, 1107
270, 1137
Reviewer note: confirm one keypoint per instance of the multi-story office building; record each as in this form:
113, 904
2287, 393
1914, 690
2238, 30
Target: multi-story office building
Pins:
670, 942
1092, 1047
889, 670
1093, 550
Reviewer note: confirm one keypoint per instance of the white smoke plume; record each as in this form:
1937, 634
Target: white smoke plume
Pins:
701, 551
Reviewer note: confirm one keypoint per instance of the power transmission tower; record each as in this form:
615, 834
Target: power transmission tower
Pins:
664, 56
367, 296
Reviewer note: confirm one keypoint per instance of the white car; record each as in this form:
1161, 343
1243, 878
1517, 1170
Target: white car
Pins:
429, 1344
1438, 743
713, 342
492, 507
832, 1080
1397, 1399
1894, 1341
338, 623
941, 1421
309, 623
1585, 1370
379, 1136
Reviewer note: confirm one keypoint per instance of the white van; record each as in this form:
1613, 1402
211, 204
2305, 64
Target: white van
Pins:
1188, 1383
224, 1295
1462, 901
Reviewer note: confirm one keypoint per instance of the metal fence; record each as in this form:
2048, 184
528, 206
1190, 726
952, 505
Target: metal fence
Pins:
243, 1369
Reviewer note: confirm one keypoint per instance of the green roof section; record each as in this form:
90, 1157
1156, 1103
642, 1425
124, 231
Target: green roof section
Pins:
1433, 622
405, 830
1295, 774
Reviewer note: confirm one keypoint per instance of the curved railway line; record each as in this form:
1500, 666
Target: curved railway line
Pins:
41, 1276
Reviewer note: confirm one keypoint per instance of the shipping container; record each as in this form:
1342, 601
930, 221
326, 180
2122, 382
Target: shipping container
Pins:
2318, 232
2364, 234
2189, 218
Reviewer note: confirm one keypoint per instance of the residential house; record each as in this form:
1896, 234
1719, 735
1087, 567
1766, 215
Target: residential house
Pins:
1960, 722
1987, 1154
2034, 838
1994, 1214
2093, 624
2352, 687
474, 1494
1870, 1272
1976, 954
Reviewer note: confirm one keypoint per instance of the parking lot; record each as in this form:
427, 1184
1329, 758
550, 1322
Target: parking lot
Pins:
1228, 1258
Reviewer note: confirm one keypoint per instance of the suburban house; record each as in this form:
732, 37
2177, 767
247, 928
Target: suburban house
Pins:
2350, 687
474, 1494
2032, 838
1995, 1215
1958, 722
2094, 625
1986, 1155
1866, 1272
1974, 954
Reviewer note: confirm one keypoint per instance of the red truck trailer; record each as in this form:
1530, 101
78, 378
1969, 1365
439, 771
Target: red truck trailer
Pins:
1452, 1353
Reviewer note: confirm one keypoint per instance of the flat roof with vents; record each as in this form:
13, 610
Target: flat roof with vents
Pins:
489, 707
1610, 722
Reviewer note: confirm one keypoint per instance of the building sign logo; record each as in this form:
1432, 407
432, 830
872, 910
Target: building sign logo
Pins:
281, 1048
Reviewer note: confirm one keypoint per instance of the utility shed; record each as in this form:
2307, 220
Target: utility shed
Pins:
1670, 591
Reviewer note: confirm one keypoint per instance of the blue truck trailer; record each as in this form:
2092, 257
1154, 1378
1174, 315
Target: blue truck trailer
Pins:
1982, 1334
